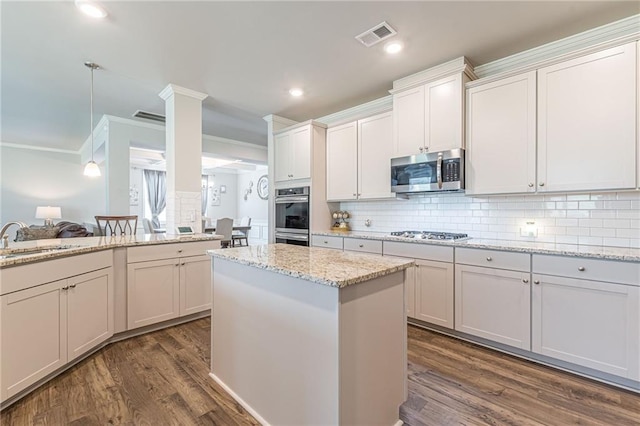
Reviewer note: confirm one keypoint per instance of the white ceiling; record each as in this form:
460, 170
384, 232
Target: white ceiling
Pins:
246, 55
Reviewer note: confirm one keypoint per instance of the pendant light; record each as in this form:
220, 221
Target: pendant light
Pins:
91, 169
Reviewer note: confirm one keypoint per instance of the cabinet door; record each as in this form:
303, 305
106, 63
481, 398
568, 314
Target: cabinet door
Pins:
501, 136
89, 311
408, 122
300, 159
590, 323
33, 330
587, 122
493, 304
342, 161
153, 292
434, 292
443, 100
374, 156
282, 149
195, 284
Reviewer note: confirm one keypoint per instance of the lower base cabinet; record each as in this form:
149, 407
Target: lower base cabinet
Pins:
44, 327
434, 292
494, 304
590, 323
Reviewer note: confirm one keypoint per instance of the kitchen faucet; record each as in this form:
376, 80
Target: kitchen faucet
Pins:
5, 238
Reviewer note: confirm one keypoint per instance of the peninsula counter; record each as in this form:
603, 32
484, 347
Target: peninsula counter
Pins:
306, 335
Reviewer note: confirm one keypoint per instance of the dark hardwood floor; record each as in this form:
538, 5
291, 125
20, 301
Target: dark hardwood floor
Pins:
162, 379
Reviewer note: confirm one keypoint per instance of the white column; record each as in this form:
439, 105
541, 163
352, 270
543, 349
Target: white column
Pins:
274, 123
183, 156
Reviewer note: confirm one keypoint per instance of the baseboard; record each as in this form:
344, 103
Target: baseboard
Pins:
240, 401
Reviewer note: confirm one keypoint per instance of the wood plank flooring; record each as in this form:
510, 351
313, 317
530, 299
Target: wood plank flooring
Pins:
162, 379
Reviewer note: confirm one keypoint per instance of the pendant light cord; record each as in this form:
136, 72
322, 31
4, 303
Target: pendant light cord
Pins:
91, 114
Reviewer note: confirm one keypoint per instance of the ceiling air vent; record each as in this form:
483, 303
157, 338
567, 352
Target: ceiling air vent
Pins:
376, 34
149, 116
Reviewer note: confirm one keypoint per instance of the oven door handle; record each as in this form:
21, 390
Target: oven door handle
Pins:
288, 200
292, 237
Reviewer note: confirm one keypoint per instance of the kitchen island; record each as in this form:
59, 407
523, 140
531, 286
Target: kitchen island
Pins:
306, 335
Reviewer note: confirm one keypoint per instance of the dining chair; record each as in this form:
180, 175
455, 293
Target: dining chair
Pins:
240, 235
117, 225
224, 227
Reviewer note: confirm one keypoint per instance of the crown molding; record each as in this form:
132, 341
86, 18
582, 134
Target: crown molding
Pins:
458, 65
173, 89
303, 124
609, 35
357, 112
272, 118
232, 142
37, 148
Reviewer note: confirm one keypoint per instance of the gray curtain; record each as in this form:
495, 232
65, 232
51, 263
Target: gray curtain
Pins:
205, 194
157, 193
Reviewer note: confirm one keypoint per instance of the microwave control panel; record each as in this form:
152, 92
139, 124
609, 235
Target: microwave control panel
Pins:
451, 170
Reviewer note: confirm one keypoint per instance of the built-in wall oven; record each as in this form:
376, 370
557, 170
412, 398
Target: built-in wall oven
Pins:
292, 216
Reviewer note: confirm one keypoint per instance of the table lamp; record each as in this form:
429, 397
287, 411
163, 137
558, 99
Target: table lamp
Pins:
48, 213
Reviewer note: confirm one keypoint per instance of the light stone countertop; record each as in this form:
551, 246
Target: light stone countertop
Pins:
572, 250
319, 265
20, 253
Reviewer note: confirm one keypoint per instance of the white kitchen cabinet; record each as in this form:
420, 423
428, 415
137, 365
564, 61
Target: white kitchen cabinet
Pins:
434, 292
501, 136
46, 326
166, 281
429, 118
580, 318
195, 284
493, 304
587, 122
358, 159
293, 153
342, 161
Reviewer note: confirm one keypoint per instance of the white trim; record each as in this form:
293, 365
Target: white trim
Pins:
232, 142
357, 112
272, 118
130, 121
302, 124
619, 32
239, 400
399, 423
38, 148
173, 89
454, 66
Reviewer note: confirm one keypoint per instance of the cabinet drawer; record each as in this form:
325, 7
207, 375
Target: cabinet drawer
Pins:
418, 251
588, 269
493, 259
361, 244
328, 242
168, 251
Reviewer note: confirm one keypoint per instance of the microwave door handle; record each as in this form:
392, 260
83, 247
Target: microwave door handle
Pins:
289, 200
439, 171
293, 237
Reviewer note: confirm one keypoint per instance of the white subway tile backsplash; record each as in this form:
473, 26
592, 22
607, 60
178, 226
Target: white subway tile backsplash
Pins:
611, 219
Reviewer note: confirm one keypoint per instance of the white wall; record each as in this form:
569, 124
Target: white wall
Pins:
227, 207
254, 207
32, 178
610, 219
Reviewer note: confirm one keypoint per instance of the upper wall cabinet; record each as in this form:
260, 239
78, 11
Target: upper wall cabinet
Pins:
501, 136
429, 117
587, 122
293, 151
358, 159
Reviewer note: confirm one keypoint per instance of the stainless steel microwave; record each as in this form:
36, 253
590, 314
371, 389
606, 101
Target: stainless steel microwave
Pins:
434, 171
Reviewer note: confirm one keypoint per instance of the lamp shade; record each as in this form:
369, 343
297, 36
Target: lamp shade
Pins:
48, 212
92, 169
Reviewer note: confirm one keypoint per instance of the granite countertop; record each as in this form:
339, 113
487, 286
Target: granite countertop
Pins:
573, 250
319, 265
37, 250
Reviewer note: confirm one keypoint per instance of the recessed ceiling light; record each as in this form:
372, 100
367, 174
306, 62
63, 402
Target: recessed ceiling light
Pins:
296, 92
393, 47
91, 9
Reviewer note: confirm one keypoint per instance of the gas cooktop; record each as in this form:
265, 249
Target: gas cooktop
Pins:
430, 235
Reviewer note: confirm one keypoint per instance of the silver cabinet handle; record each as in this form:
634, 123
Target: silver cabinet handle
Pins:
531, 185
541, 184
489, 259
180, 251
360, 245
183, 264
177, 264
526, 281
65, 288
354, 194
581, 268
421, 149
326, 242
72, 286
536, 282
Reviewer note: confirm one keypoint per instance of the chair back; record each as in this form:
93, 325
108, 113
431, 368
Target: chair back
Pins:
146, 224
224, 227
117, 225
245, 221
